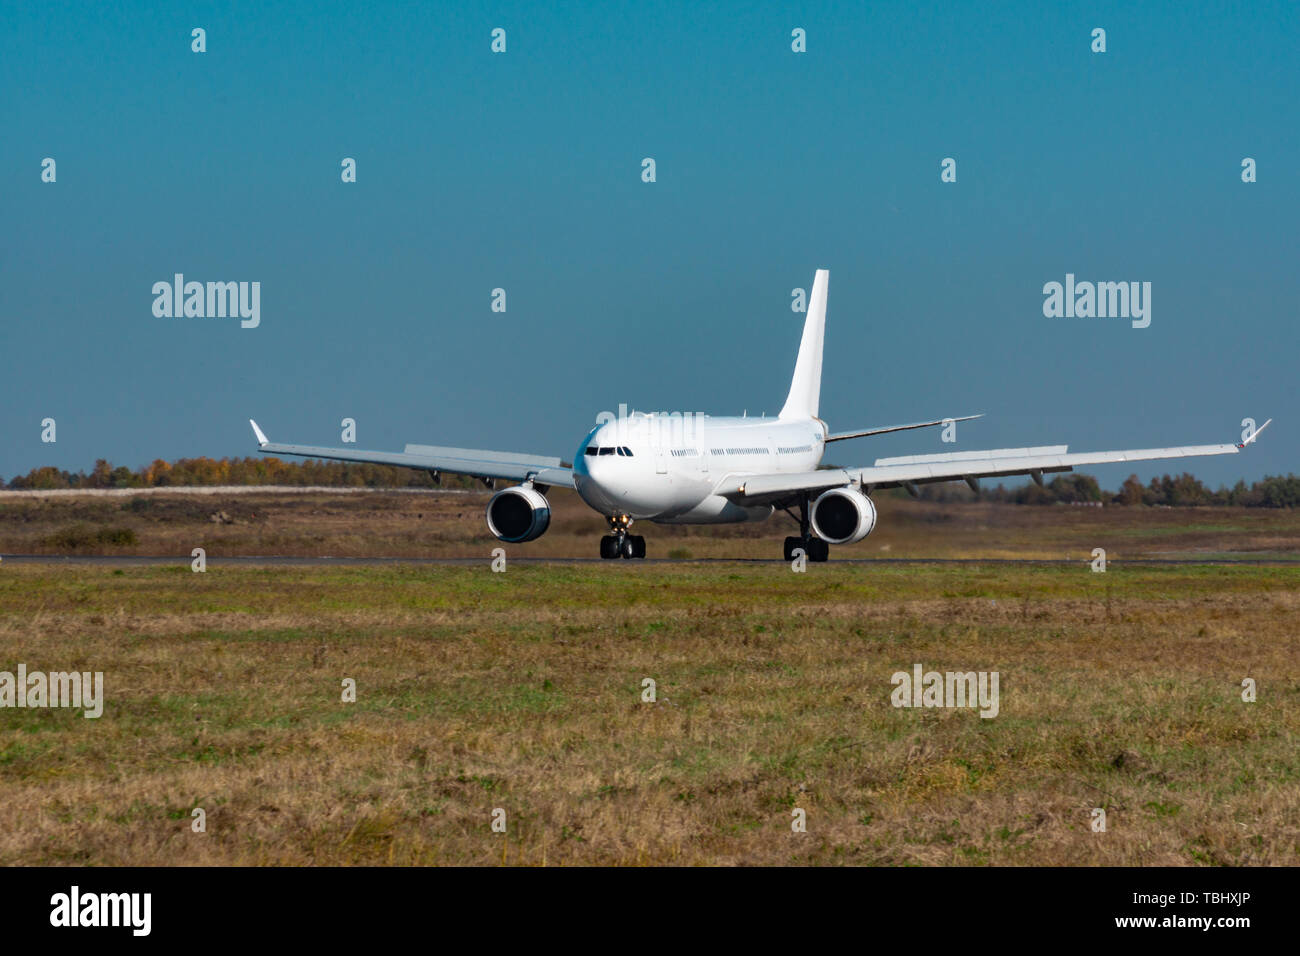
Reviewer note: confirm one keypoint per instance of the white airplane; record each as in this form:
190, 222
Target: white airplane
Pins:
696, 469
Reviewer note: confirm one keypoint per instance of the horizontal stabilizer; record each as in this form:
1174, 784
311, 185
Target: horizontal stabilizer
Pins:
841, 436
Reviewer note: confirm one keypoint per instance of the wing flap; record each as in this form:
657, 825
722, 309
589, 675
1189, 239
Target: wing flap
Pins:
473, 454
753, 486
1024, 464
974, 455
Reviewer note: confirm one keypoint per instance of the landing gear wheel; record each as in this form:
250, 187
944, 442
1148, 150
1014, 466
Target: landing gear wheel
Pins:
814, 548
620, 544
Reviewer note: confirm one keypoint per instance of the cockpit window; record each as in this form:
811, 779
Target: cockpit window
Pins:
626, 451
592, 450
607, 450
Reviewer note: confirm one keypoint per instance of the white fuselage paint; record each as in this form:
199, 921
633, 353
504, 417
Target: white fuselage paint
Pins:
675, 470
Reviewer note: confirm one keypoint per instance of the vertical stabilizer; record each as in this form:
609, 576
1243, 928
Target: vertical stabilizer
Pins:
806, 386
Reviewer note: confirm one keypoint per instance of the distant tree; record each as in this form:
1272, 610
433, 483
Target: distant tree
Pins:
1276, 492
41, 479
101, 476
1074, 488
1237, 496
1186, 490
1131, 492
156, 474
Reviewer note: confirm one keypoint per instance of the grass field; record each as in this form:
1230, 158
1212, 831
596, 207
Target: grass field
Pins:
522, 691
449, 524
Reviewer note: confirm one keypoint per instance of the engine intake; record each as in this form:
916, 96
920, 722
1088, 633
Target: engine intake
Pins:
843, 516
518, 514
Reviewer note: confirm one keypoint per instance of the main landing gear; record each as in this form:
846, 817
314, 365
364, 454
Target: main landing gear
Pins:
815, 548
620, 544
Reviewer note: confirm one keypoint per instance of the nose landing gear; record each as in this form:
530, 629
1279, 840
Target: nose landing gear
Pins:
620, 544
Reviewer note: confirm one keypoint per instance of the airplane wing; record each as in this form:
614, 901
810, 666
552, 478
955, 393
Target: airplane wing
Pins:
908, 472
457, 461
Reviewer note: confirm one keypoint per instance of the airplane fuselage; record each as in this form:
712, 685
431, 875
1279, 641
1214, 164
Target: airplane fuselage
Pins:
667, 469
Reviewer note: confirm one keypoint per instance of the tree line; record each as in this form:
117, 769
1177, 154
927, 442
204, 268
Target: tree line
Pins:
234, 471
1274, 491
1173, 491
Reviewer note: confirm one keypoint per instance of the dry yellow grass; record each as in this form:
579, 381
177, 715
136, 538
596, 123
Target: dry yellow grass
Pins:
522, 691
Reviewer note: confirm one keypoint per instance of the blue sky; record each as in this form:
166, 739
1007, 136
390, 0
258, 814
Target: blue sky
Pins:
523, 171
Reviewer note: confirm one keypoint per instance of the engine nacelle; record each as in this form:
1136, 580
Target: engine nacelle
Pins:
843, 516
518, 514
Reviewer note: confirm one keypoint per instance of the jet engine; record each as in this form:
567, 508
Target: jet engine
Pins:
518, 514
843, 516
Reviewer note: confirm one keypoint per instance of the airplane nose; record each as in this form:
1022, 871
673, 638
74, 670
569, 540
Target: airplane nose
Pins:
598, 471
592, 491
